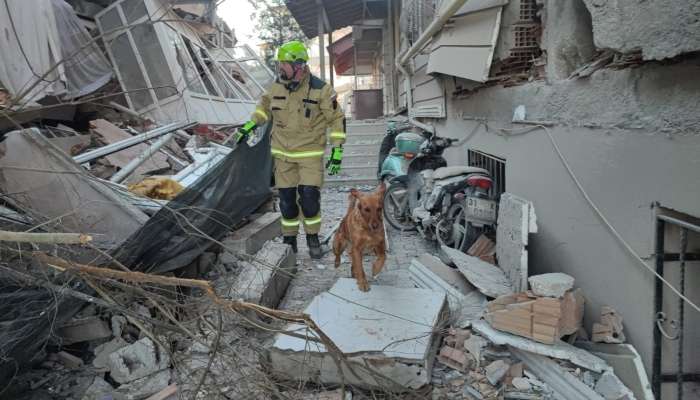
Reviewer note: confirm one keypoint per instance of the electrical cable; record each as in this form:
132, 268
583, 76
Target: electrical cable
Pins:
600, 214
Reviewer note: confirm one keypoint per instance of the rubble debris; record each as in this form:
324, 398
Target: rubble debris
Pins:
77, 198
609, 329
489, 279
100, 389
103, 351
391, 349
559, 349
265, 280
113, 135
251, 238
543, 319
170, 390
83, 330
466, 303
564, 385
627, 364
522, 384
484, 249
71, 145
474, 345
454, 358
146, 386
137, 360
611, 387
157, 187
551, 285
516, 220
496, 371
69, 360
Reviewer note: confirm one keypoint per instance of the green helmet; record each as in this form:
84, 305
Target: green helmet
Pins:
292, 51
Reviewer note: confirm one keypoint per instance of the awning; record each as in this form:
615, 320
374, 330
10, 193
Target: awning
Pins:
366, 46
340, 13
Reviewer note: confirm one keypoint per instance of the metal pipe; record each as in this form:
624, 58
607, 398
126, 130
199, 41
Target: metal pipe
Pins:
658, 305
403, 57
133, 164
681, 314
321, 49
680, 222
330, 60
132, 141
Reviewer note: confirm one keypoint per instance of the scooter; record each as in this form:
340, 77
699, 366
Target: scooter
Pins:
452, 205
397, 150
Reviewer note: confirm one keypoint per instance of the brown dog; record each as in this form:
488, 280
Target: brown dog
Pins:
362, 228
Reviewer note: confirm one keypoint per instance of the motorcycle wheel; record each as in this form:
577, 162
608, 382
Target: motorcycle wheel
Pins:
396, 207
455, 231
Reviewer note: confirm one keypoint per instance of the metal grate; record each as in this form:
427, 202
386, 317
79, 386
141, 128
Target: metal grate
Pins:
528, 10
495, 165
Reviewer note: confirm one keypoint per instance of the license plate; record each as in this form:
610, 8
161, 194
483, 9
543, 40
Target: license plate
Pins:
481, 209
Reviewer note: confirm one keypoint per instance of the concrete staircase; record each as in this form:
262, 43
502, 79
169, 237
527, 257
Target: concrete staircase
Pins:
360, 155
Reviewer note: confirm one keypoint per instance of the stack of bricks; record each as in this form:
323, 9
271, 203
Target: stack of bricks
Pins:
544, 319
453, 354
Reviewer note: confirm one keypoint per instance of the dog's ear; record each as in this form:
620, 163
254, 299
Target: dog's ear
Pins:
381, 189
355, 193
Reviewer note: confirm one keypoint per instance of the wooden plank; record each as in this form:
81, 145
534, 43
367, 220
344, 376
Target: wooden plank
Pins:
165, 393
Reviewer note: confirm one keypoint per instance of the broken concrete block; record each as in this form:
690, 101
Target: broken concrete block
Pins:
100, 389
487, 278
118, 322
137, 360
251, 237
516, 220
610, 329
516, 370
611, 388
559, 349
543, 319
102, 352
388, 335
496, 371
474, 345
265, 280
329, 395
466, 303
522, 384
83, 330
551, 285
484, 249
142, 388
626, 363
69, 360
564, 384
454, 358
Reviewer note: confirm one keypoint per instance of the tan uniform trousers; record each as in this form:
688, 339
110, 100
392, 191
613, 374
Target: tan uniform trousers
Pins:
299, 182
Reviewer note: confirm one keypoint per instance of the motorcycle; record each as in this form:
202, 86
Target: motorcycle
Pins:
452, 205
397, 150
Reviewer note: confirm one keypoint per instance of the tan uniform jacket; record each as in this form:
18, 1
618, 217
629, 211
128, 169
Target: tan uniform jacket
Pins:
303, 120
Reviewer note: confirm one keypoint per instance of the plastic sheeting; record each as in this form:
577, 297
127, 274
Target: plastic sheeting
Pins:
36, 35
208, 209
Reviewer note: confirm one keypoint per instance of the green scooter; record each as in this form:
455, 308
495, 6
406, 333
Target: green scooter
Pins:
397, 150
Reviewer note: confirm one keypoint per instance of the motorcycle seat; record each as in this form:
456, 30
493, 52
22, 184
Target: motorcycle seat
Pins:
447, 172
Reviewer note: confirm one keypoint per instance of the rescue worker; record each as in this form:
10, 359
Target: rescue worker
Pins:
305, 115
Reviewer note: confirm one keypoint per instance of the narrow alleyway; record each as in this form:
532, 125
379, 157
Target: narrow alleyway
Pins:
359, 171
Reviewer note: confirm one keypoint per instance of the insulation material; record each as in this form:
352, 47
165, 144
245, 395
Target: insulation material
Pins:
205, 210
465, 47
157, 187
35, 32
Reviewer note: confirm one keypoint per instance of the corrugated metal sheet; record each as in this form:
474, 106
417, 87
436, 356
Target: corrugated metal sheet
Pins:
341, 13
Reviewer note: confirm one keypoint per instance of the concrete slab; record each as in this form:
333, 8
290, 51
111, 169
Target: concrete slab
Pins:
488, 278
554, 284
388, 335
466, 302
516, 220
251, 237
83, 330
559, 349
627, 364
137, 361
265, 280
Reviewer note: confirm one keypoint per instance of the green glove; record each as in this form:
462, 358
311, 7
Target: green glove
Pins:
333, 164
243, 132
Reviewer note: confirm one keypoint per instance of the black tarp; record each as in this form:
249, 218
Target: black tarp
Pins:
220, 199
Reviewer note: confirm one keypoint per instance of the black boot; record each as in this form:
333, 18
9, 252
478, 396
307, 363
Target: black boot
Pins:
314, 246
292, 241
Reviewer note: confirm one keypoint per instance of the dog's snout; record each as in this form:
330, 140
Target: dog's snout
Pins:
375, 225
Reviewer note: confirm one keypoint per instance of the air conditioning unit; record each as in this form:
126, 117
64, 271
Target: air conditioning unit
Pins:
429, 111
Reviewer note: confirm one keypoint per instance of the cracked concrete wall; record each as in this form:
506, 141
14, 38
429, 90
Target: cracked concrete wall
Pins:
567, 37
632, 138
660, 28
